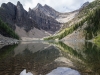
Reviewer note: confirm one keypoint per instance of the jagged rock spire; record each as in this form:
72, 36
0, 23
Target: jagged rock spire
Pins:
19, 4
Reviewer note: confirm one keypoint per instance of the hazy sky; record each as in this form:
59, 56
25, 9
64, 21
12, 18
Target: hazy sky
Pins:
59, 5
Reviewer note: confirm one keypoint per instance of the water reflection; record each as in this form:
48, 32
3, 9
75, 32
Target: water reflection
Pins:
56, 58
34, 57
24, 73
32, 47
58, 71
64, 71
86, 60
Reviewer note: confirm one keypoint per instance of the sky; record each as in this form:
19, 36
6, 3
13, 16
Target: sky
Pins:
59, 5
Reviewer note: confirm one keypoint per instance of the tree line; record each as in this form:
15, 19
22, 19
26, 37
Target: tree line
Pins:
5, 30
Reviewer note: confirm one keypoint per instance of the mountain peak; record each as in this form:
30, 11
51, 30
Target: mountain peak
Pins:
19, 4
46, 5
47, 10
9, 5
85, 4
30, 9
39, 6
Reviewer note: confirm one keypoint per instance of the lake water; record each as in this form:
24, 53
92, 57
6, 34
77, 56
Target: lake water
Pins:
53, 58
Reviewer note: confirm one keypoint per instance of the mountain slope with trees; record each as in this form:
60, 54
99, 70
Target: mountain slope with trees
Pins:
6, 31
87, 21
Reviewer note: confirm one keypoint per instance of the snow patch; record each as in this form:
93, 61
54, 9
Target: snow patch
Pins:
63, 18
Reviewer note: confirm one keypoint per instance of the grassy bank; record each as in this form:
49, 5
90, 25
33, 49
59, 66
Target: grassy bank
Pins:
97, 40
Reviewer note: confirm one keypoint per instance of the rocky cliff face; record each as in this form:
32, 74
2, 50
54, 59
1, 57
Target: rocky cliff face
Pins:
47, 10
23, 20
44, 19
8, 13
16, 15
84, 5
41, 17
50, 11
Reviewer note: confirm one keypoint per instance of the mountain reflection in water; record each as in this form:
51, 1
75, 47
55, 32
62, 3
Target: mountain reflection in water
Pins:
24, 73
64, 71
53, 58
58, 71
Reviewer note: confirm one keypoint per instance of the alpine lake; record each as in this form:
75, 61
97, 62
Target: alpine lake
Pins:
50, 58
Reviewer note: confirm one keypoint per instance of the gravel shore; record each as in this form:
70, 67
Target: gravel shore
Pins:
7, 40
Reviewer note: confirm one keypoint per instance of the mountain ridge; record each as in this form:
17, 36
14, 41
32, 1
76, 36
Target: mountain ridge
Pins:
16, 15
45, 21
41, 17
85, 26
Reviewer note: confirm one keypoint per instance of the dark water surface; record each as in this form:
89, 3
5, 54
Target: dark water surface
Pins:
57, 58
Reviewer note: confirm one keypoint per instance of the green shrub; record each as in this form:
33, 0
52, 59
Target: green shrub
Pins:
5, 30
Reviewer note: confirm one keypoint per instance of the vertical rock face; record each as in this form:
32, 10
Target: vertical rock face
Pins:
44, 19
8, 13
84, 5
47, 10
41, 17
16, 15
51, 12
20, 12
22, 18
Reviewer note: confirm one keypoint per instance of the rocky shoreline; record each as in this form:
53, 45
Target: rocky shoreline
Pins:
7, 40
